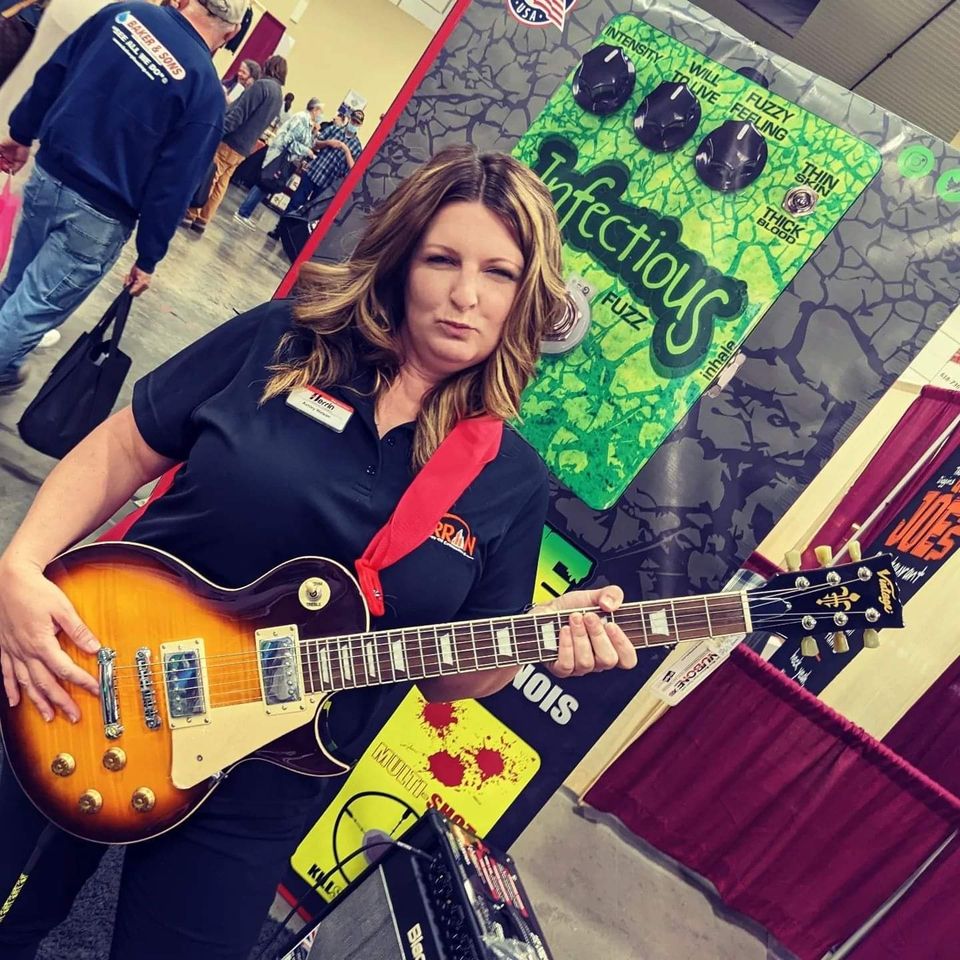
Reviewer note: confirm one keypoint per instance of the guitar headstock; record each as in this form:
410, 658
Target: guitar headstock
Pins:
806, 604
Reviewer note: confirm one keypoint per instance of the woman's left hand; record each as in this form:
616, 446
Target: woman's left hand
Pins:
589, 643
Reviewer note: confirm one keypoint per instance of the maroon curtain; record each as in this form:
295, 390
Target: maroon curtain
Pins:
928, 735
799, 819
924, 925
259, 46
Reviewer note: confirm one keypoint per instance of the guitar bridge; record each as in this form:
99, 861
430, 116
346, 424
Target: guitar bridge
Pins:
185, 682
281, 676
148, 696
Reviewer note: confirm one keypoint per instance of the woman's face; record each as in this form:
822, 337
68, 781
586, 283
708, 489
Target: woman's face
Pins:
461, 285
243, 75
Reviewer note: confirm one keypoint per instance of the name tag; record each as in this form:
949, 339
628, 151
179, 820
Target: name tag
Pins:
320, 406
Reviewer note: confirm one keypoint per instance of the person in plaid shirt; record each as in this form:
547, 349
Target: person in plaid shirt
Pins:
334, 157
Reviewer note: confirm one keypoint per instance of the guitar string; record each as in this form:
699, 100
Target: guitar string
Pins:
734, 601
246, 663
234, 667
248, 684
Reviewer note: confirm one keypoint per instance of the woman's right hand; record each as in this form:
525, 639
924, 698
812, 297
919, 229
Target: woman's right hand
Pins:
32, 610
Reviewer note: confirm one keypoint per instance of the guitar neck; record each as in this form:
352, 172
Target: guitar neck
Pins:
416, 653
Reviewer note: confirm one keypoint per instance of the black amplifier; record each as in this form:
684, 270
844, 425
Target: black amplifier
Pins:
459, 899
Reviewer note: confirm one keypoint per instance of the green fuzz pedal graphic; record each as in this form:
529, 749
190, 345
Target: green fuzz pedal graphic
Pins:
689, 196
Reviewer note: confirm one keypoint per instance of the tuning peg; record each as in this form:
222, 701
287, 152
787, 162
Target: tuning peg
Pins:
824, 555
808, 647
871, 639
855, 551
840, 642
793, 560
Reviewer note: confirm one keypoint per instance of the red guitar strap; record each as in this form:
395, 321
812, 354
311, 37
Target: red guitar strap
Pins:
455, 464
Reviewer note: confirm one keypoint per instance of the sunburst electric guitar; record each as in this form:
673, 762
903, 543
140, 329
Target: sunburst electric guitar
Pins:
195, 678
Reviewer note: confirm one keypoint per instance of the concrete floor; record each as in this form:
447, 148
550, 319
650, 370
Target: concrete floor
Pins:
596, 894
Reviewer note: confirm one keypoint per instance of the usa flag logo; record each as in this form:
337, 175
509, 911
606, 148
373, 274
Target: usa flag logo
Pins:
541, 13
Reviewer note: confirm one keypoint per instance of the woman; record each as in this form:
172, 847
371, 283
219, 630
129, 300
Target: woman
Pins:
247, 74
294, 139
436, 316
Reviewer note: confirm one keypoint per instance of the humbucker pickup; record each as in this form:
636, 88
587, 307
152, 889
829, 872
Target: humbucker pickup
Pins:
281, 676
185, 682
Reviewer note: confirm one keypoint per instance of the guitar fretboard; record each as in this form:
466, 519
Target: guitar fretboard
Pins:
416, 653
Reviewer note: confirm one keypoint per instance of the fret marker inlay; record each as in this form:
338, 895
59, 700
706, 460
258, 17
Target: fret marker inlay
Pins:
371, 653
346, 668
548, 633
325, 664
446, 649
504, 642
397, 656
658, 623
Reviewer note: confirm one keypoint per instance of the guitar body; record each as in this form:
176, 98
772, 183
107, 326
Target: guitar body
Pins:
112, 785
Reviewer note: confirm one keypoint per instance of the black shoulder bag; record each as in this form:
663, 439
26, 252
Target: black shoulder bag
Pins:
276, 173
81, 389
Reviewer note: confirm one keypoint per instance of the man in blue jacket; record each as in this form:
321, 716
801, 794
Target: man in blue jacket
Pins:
128, 112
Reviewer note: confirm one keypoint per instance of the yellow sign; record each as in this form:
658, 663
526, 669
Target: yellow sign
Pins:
456, 757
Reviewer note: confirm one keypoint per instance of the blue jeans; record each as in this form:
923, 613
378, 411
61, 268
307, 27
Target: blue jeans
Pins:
62, 250
250, 203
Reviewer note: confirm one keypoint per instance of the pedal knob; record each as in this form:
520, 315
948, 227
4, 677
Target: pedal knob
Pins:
871, 639
840, 642
731, 157
63, 765
809, 648
143, 800
115, 759
90, 801
604, 80
667, 117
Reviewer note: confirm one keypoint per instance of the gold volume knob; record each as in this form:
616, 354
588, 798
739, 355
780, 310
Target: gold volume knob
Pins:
63, 765
90, 801
143, 800
115, 759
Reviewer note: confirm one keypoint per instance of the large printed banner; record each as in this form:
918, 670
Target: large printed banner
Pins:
818, 278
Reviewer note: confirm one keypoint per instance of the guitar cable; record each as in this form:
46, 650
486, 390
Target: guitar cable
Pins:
300, 935
43, 841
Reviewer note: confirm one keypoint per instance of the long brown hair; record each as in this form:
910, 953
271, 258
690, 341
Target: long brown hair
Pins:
276, 68
354, 309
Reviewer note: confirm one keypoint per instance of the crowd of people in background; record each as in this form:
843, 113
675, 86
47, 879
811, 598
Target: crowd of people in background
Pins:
101, 184
257, 107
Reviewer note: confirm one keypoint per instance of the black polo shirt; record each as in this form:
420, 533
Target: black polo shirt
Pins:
264, 483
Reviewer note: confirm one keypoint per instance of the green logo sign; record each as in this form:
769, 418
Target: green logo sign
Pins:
916, 161
683, 292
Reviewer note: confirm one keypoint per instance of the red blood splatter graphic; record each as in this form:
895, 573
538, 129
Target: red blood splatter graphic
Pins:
440, 716
448, 769
490, 763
